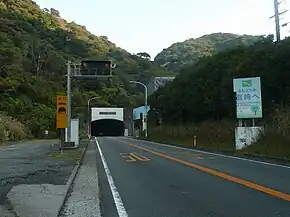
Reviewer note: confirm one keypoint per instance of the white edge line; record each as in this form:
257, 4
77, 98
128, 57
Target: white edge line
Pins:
117, 198
215, 154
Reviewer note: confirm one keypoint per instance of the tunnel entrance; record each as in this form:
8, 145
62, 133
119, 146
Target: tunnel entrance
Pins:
107, 127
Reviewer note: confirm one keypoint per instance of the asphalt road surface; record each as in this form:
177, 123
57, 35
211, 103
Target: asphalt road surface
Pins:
139, 178
31, 163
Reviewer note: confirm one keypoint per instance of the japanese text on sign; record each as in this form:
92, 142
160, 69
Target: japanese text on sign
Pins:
248, 97
61, 112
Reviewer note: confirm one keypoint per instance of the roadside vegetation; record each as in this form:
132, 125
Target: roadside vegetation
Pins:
220, 136
11, 130
200, 101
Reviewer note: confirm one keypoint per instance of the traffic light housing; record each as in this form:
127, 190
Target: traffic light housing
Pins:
96, 68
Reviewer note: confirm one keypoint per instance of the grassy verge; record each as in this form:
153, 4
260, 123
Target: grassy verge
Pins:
220, 137
271, 144
72, 154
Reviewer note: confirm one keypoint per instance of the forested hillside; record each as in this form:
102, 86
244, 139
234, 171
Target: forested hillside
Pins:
187, 52
34, 47
202, 95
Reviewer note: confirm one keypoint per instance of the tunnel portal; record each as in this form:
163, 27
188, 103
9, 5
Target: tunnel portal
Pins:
107, 127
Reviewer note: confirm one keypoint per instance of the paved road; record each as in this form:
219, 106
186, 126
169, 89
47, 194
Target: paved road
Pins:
31, 163
140, 178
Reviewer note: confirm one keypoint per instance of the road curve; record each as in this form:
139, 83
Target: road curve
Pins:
139, 178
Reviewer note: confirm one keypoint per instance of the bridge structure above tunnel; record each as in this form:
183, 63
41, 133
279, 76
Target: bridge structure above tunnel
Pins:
107, 122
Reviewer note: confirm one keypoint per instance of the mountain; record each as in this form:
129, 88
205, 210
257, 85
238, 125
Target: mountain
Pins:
204, 91
34, 47
188, 52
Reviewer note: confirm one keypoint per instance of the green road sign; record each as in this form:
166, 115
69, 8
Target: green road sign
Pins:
248, 97
247, 83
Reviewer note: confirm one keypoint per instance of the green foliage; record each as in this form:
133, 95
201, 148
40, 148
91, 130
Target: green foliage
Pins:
188, 52
201, 97
205, 91
34, 47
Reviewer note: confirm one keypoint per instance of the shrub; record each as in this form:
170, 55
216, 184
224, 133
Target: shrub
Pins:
11, 129
275, 141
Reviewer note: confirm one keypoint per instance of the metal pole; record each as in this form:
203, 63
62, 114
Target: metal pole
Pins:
69, 101
133, 130
89, 114
145, 115
146, 96
62, 137
89, 118
277, 21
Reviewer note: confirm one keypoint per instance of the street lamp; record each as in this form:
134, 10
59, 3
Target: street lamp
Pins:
89, 119
146, 94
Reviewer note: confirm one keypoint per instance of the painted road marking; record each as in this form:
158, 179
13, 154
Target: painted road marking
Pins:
140, 156
116, 196
133, 157
225, 176
215, 154
130, 158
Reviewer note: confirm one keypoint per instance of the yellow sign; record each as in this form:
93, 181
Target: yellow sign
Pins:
61, 112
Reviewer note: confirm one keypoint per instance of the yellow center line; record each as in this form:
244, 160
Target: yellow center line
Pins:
248, 184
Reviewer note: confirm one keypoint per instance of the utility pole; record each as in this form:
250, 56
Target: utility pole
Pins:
277, 19
69, 74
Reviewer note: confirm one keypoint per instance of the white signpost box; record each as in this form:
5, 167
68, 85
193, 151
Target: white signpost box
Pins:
248, 106
74, 132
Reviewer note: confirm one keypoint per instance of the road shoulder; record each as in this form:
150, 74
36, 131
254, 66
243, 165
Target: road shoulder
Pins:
83, 200
238, 155
40, 191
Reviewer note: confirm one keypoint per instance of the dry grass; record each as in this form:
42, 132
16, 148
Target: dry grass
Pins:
11, 129
275, 141
211, 135
220, 136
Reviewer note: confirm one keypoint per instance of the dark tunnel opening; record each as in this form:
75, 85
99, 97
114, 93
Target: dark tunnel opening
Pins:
107, 127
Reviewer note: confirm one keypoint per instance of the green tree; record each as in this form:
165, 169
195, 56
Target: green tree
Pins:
34, 47
205, 91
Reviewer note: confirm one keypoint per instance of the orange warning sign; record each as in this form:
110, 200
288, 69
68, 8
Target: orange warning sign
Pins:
61, 112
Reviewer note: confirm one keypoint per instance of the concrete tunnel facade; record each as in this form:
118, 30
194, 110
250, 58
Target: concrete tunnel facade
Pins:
107, 122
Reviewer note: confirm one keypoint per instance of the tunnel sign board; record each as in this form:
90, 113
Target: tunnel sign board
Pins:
61, 112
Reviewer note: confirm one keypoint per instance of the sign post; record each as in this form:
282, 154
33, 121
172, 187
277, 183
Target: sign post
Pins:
61, 117
248, 106
248, 97
86, 69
